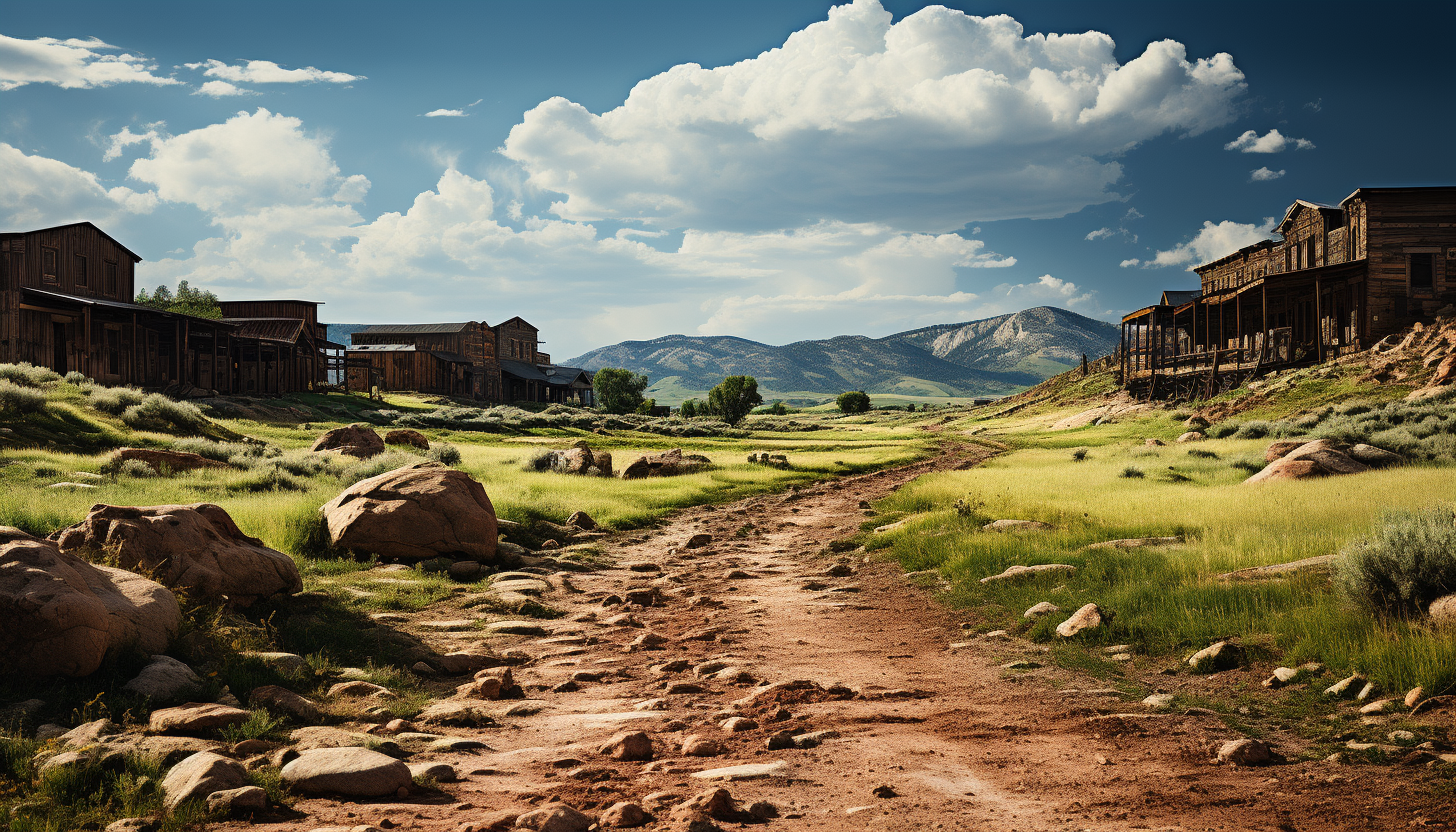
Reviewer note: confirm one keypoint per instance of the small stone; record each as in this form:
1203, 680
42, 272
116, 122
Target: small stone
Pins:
1245, 752
698, 746
1159, 701
642, 566
466, 570
652, 705
1089, 617
1040, 609
1414, 695
814, 739
624, 816
163, 679
1401, 737
1367, 691
241, 801
439, 772
199, 776
763, 810
1345, 686
779, 741
555, 818
734, 724
1282, 676
1221, 655
515, 628
647, 641
286, 701
360, 688
1379, 706
196, 716
698, 541
628, 746
750, 771
357, 772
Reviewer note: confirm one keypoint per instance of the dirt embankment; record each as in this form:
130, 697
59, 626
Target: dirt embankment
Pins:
922, 735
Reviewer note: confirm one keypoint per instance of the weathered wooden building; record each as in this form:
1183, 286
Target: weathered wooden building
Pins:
1339, 278
66, 302
453, 359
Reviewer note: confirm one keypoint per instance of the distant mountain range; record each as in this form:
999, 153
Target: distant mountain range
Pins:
990, 357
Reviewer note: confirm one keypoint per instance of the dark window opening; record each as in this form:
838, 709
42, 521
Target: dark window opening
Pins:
81, 279
111, 278
48, 264
113, 352
1422, 272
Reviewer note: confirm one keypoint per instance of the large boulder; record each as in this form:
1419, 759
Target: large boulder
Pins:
357, 440
417, 512
1445, 371
163, 679
59, 615
1443, 611
197, 548
668, 464
357, 772
164, 462
200, 775
1318, 458
411, 438
580, 459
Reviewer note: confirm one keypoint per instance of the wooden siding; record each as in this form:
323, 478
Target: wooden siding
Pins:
406, 371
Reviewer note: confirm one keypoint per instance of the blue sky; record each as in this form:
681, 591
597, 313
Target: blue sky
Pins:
781, 170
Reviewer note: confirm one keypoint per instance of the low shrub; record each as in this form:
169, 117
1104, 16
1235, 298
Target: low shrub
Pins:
1256, 429
1202, 453
307, 463
373, 467
1079, 454
538, 461
1252, 464
28, 375
134, 468
267, 478
78, 378
444, 453
115, 400
1131, 472
1223, 430
1405, 564
159, 413
20, 398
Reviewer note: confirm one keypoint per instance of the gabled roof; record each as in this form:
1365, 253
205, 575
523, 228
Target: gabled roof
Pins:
1318, 206
517, 319
62, 297
565, 376
1178, 297
136, 258
282, 330
1266, 243
522, 370
414, 329
453, 357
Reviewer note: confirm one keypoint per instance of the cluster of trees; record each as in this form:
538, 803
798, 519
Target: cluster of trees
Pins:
186, 300
621, 391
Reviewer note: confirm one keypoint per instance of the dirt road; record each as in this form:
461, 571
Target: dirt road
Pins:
920, 735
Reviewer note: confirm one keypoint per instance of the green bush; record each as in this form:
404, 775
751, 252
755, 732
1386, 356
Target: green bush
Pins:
853, 401
269, 478
19, 398
115, 400
1132, 473
444, 453
1408, 562
304, 463
1079, 454
77, 378
538, 461
159, 413
134, 468
28, 375
373, 467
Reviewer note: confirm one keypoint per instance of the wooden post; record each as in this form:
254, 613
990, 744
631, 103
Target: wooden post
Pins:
86, 367
1319, 320
1264, 305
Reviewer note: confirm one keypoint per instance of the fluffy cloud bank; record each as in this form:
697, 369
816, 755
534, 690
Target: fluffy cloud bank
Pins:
37, 192
1210, 243
72, 63
942, 118
1272, 142
1265, 175
268, 72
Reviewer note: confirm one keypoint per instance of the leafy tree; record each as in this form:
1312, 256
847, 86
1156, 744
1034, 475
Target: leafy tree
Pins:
778, 408
188, 301
646, 407
853, 401
618, 391
689, 409
734, 398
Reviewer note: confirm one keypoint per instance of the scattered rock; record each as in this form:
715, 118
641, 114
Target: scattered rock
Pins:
1245, 752
1373, 456
163, 462
356, 440
582, 520
1159, 701
457, 712
1019, 571
1089, 617
194, 717
164, 679
1278, 570
417, 512
1015, 526
289, 664
1041, 608
1318, 458
628, 746
439, 772
1379, 706
359, 687
199, 776
699, 746
734, 724
555, 818
698, 541
240, 801
515, 628
1281, 677
465, 570
410, 438
1221, 655
779, 741
1192, 436
667, 464
61, 615
282, 699
1137, 543
624, 816
1413, 696
197, 548
356, 772
813, 739
750, 771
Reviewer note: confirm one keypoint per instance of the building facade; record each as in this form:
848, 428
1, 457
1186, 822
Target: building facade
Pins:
1338, 279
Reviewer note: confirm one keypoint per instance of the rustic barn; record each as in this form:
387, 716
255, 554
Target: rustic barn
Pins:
280, 347
523, 382
66, 303
408, 368
1338, 279
473, 341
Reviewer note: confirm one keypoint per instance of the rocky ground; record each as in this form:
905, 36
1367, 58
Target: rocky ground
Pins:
782, 686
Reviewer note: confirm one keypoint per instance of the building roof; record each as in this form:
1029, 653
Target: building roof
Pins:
517, 319
1318, 206
453, 357
134, 256
1266, 243
1417, 189
1178, 297
565, 376
281, 330
121, 305
522, 370
413, 329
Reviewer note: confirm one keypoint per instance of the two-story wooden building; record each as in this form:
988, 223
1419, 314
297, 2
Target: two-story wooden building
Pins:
66, 302
1339, 278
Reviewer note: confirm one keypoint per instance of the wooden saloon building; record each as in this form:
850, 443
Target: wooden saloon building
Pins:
66, 303
1338, 279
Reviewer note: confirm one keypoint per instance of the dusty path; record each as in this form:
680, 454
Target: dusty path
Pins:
928, 737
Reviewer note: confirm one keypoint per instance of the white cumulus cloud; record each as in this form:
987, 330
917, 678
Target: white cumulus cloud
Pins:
1265, 175
1272, 142
73, 63
268, 72
445, 113
1210, 243
221, 89
1100, 234
37, 192
925, 124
